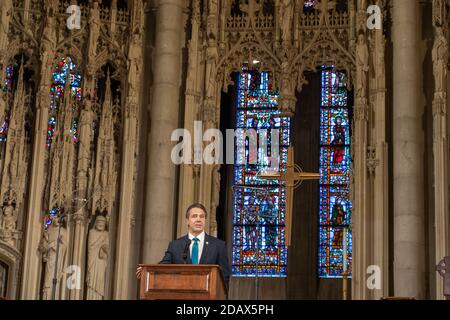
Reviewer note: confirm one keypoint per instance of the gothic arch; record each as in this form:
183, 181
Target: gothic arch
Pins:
322, 52
73, 52
235, 58
12, 258
107, 57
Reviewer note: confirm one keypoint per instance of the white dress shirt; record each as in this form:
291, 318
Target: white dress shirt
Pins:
201, 242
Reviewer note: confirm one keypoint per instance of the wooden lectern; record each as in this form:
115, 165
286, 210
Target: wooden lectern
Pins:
181, 282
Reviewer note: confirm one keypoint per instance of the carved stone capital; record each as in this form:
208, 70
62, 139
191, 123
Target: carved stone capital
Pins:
79, 219
287, 104
10, 237
361, 110
196, 170
440, 104
209, 111
372, 161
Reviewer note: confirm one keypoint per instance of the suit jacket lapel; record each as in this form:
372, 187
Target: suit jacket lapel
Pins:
205, 249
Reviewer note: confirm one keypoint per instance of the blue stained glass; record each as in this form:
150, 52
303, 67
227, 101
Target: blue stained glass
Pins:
259, 204
309, 4
54, 215
63, 67
9, 95
335, 168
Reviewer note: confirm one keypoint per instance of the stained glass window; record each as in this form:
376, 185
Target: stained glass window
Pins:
309, 4
54, 215
259, 204
335, 160
63, 67
8, 95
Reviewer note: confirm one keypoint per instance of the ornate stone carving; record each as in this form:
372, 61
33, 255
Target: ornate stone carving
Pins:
48, 42
211, 24
440, 13
287, 90
15, 164
98, 253
361, 111
62, 153
440, 60
8, 223
6, 8
209, 112
134, 64
94, 30
251, 8
196, 170
47, 247
211, 72
106, 164
372, 160
362, 66
286, 16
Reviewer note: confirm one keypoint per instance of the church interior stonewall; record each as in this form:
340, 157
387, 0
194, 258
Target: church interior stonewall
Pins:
312, 137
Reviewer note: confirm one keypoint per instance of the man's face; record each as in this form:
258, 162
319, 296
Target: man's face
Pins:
196, 221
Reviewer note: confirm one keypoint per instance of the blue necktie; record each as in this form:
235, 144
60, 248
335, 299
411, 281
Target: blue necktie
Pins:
195, 251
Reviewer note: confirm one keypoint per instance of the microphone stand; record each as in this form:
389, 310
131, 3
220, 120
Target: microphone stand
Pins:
186, 248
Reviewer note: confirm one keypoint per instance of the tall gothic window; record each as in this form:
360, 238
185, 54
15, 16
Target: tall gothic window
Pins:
335, 163
259, 204
64, 68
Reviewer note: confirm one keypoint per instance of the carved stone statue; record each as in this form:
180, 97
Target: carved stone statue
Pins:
325, 5
47, 247
440, 60
104, 171
251, 8
48, 43
9, 218
286, 18
5, 17
94, 30
362, 66
98, 251
286, 88
211, 66
138, 16
213, 7
134, 58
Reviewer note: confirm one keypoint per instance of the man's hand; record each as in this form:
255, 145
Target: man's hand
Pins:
139, 272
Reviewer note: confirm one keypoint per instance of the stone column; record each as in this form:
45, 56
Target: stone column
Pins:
381, 178
80, 218
34, 225
440, 54
190, 173
164, 109
408, 152
360, 215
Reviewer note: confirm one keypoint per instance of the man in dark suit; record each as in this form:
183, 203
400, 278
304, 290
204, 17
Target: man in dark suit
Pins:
197, 247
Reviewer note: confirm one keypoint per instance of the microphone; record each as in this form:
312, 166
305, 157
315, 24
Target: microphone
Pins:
186, 248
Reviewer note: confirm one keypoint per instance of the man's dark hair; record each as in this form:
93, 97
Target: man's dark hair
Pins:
198, 206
